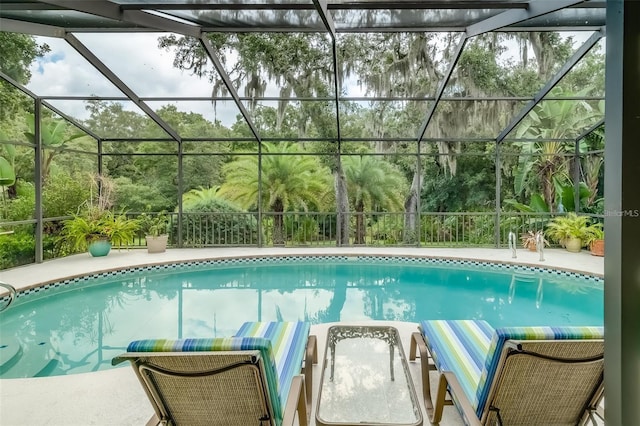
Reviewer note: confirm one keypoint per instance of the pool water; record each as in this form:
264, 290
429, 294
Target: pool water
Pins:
66, 331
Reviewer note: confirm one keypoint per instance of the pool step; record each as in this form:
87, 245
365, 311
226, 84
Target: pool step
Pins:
33, 359
10, 353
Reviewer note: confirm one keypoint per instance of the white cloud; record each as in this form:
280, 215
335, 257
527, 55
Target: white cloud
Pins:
135, 59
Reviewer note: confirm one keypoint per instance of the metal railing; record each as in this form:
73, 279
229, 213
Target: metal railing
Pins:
300, 229
12, 295
317, 229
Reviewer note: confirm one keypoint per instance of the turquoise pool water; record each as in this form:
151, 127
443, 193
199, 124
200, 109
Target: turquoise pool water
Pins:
79, 325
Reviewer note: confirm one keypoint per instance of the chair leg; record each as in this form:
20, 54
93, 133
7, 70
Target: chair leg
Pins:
448, 380
154, 421
434, 411
418, 343
296, 402
445, 380
413, 345
312, 347
310, 358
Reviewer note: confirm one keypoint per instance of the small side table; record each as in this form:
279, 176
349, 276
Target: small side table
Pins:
361, 386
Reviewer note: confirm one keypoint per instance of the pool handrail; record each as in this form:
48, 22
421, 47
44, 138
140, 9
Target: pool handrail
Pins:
12, 294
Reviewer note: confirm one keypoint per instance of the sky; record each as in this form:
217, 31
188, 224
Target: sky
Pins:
144, 68
135, 59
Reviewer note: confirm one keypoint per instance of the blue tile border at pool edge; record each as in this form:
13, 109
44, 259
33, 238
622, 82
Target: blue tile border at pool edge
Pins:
365, 259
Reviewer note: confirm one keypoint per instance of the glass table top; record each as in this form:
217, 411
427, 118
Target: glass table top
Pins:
365, 379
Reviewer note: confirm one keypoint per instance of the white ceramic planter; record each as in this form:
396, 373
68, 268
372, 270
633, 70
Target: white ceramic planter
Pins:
157, 244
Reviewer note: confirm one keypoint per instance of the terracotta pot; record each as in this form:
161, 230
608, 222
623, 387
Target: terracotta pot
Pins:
533, 247
597, 248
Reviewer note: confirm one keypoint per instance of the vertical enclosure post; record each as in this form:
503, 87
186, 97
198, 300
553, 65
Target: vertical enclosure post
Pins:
622, 215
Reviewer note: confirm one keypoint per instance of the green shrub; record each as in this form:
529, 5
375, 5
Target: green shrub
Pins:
387, 231
214, 221
63, 194
140, 197
303, 229
21, 208
17, 249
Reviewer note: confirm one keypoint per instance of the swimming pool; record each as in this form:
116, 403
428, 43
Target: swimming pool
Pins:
78, 325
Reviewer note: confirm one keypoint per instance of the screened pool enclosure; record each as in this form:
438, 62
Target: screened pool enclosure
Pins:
423, 123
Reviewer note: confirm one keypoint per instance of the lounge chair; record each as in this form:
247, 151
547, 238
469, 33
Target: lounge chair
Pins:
513, 375
252, 378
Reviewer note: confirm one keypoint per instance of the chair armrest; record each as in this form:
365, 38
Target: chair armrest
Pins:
154, 421
310, 358
461, 399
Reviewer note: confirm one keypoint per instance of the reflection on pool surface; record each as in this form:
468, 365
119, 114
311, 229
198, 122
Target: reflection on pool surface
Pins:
80, 327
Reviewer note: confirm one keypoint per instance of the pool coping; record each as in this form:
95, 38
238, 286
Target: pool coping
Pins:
94, 278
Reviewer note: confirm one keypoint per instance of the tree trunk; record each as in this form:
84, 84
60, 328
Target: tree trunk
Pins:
411, 209
360, 223
278, 224
541, 44
12, 190
548, 189
342, 206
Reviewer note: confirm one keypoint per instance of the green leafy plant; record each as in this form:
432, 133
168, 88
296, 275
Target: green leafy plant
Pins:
562, 228
83, 229
594, 232
154, 225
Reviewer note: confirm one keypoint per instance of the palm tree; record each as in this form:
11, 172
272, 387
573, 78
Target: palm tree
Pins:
195, 196
372, 184
290, 180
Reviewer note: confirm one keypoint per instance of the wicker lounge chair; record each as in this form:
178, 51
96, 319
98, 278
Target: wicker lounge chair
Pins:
252, 378
513, 375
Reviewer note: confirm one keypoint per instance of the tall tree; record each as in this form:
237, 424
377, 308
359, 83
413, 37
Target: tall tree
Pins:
374, 184
298, 63
289, 180
17, 53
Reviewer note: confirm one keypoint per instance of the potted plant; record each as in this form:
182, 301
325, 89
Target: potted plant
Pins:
569, 230
96, 231
530, 240
155, 229
595, 239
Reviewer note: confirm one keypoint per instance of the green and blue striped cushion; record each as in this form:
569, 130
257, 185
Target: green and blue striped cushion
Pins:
288, 340
471, 349
460, 347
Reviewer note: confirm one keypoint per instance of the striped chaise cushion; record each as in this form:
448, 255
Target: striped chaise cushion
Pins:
459, 346
223, 344
288, 340
471, 349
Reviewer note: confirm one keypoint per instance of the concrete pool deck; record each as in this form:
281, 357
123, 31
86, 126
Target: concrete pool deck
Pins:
115, 396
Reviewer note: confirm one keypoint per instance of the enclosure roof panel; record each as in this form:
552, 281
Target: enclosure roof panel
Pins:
444, 28
296, 15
